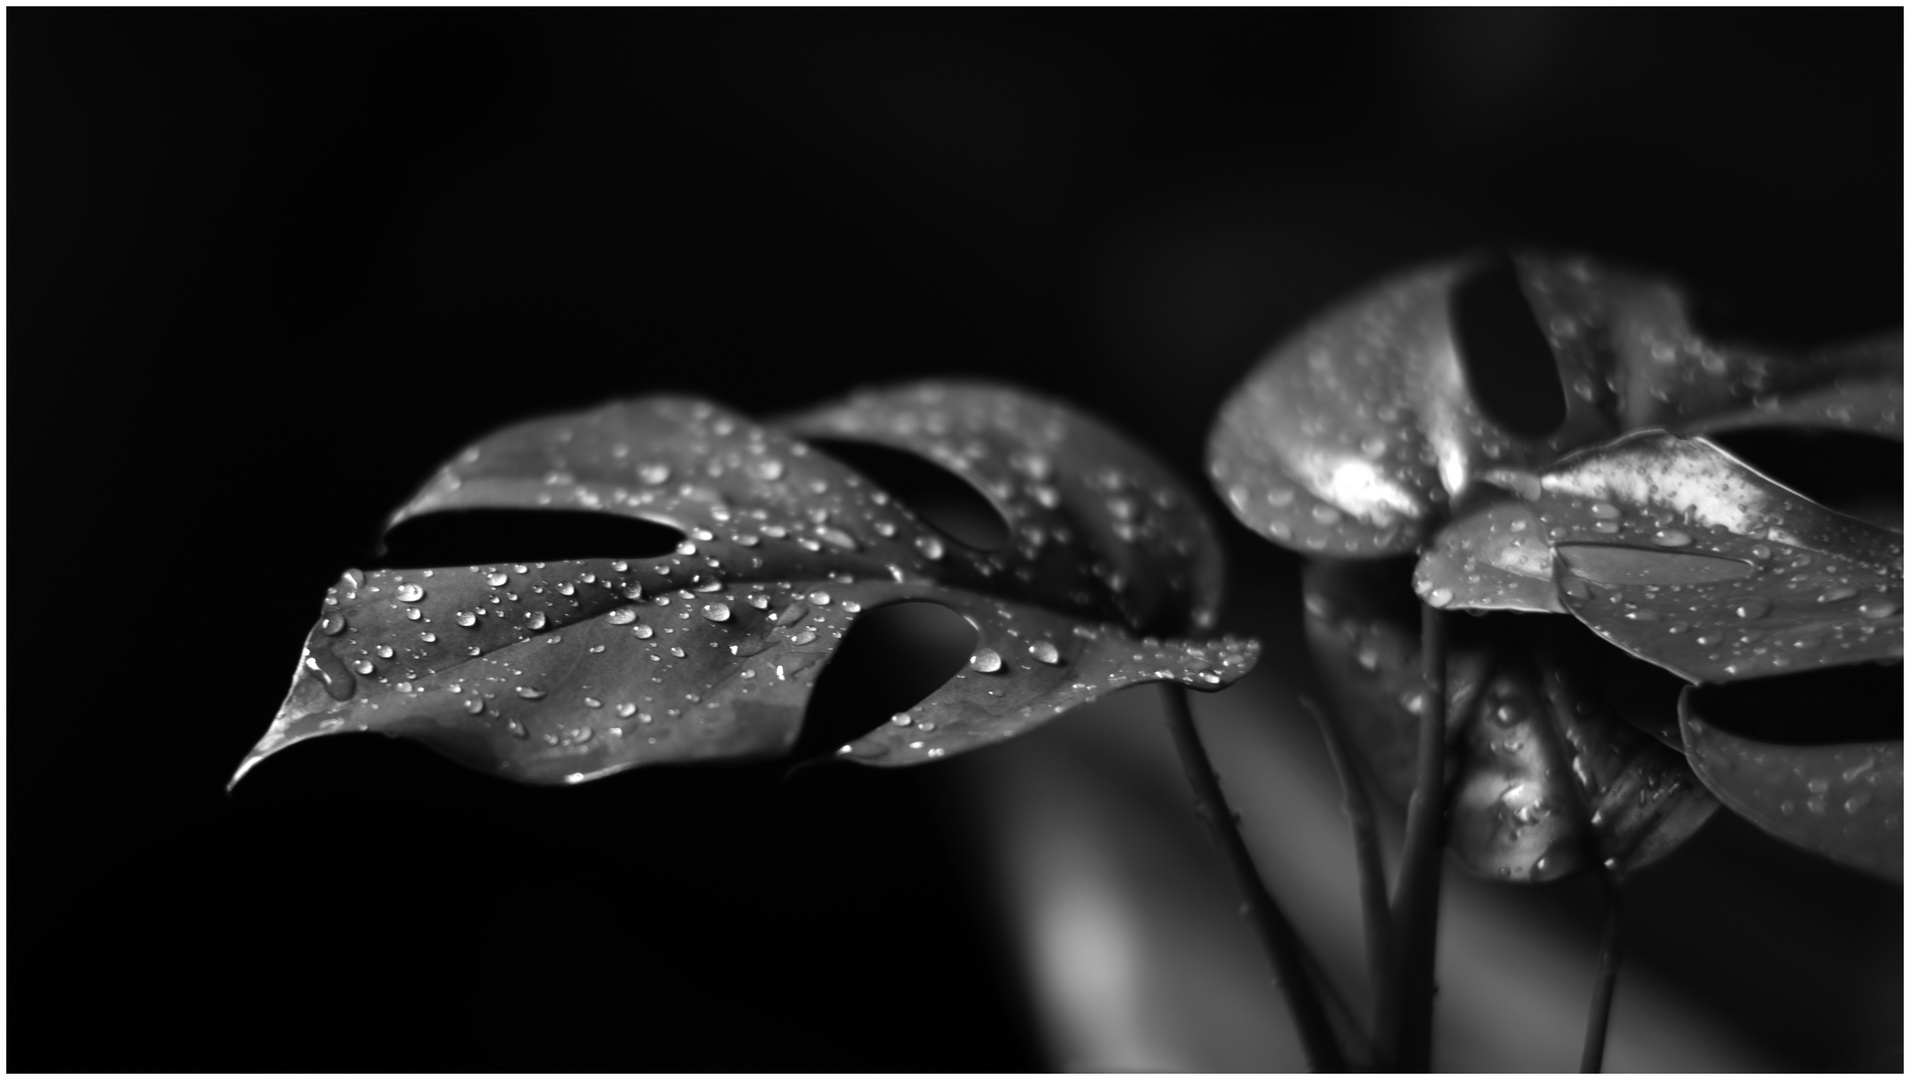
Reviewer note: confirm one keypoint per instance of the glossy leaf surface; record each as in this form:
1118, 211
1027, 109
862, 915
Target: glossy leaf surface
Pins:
1686, 557
1494, 559
1356, 436
567, 671
1546, 779
1842, 799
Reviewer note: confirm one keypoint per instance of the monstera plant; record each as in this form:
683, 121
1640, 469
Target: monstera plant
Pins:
1731, 604
1752, 634
565, 672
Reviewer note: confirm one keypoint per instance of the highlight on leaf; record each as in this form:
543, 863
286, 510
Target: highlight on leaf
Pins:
560, 672
1683, 556
1358, 435
1546, 779
1815, 759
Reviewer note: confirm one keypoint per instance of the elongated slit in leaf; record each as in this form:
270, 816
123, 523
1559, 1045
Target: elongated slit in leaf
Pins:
891, 658
1509, 366
483, 537
938, 496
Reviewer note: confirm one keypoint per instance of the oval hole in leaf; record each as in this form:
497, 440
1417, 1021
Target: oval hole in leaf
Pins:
939, 497
1859, 703
479, 537
1620, 564
1508, 363
1852, 472
891, 658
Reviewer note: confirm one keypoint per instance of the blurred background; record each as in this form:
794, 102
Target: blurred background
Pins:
269, 268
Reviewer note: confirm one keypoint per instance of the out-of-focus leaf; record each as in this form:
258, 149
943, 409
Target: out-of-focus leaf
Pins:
1356, 436
1842, 799
572, 670
1665, 374
1493, 559
1546, 779
1686, 557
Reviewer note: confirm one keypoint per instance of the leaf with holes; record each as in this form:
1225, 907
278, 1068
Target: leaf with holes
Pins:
1684, 556
1359, 435
1842, 796
567, 671
1547, 779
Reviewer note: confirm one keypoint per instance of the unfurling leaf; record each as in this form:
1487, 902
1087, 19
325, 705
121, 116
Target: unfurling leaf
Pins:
567, 671
1841, 798
1684, 556
1546, 779
1360, 434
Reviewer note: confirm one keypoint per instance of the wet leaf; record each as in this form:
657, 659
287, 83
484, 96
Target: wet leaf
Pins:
1842, 799
1494, 559
1358, 435
1546, 779
567, 671
1682, 555
1355, 435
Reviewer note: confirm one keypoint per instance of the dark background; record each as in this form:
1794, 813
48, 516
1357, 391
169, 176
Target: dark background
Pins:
268, 269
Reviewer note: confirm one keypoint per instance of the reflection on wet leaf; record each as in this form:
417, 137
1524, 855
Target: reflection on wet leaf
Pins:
1547, 780
1842, 797
1355, 436
1686, 557
566, 671
1493, 559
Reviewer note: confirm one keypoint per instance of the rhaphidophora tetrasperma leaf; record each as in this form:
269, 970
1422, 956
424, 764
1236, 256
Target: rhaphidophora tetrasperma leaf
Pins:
1546, 779
567, 671
1842, 797
1359, 435
1682, 555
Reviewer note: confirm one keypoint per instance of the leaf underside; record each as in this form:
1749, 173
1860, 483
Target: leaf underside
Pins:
568, 671
1358, 435
1546, 779
1842, 800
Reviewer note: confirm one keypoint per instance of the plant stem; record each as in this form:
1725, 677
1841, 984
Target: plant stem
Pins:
1593, 1059
1404, 1024
1276, 934
1359, 814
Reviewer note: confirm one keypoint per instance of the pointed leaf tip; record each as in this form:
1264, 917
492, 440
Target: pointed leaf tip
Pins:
563, 672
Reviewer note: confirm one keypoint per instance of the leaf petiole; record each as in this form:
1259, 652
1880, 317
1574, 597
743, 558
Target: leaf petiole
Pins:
1283, 947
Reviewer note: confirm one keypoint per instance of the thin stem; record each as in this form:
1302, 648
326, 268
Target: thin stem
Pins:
1404, 1025
1593, 1059
1359, 814
1276, 934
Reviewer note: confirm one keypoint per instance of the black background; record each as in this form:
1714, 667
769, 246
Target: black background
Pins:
268, 269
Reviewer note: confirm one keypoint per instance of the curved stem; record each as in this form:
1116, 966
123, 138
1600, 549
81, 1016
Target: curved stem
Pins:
1359, 814
1593, 1059
1404, 1025
1276, 933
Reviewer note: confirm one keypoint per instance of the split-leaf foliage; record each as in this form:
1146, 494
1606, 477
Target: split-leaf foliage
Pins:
552, 672
1361, 437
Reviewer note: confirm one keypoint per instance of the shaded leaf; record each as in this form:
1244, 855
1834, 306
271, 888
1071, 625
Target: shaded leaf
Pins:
567, 671
1493, 559
1842, 799
1546, 779
1686, 557
1356, 436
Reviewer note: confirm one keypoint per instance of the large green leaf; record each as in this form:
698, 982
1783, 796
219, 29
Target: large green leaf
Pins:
1545, 778
1841, 797
1358, 435
1684, 556
568, 671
